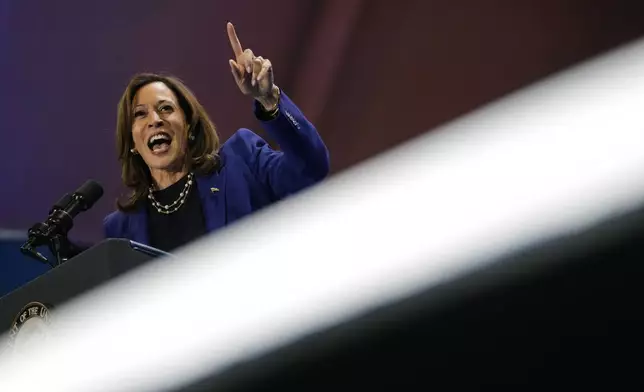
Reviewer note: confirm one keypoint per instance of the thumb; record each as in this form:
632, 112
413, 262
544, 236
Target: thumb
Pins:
234, 68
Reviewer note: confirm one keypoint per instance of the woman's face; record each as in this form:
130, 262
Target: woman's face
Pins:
159, 128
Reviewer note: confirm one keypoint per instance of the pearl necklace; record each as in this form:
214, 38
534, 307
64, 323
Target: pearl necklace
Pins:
174, 206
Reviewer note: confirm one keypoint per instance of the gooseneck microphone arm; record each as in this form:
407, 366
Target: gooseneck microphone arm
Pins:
53, 231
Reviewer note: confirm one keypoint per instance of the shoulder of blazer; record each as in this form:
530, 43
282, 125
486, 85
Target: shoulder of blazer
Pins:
242, 144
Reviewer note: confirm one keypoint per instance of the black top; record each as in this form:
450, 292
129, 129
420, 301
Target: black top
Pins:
170, 231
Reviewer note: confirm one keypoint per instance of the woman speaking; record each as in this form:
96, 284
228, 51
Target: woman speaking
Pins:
183, 182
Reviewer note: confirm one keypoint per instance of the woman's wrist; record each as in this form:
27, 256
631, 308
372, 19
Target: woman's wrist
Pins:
270, 103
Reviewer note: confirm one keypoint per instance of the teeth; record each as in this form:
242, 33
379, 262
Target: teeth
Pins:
158, 136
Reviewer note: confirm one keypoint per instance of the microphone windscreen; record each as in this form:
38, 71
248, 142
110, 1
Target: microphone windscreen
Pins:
90, 191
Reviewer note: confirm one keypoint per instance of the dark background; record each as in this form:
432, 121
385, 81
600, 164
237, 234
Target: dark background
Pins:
369, 74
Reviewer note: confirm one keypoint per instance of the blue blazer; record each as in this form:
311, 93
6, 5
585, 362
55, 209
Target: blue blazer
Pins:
253, 175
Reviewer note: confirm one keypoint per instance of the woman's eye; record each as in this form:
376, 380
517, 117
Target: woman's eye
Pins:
139, 113
166, 108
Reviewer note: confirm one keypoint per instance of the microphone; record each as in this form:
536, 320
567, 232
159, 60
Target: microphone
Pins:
62, 203
53, 231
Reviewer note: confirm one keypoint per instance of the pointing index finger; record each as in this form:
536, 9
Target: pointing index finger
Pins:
234, 41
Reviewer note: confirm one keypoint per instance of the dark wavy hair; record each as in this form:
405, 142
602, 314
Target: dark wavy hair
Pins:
202, 151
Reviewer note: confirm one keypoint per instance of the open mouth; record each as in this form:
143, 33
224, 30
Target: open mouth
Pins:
159, 142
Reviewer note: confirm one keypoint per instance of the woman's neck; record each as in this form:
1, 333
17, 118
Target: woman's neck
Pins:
163, 178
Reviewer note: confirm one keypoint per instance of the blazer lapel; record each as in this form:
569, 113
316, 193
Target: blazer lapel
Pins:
212, 190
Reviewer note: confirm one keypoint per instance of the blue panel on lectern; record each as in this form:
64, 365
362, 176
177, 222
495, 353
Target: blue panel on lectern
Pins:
17, 269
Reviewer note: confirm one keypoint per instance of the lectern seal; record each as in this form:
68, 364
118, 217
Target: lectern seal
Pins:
30, 326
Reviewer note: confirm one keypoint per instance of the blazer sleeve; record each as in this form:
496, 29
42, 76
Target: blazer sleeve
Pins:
302, 159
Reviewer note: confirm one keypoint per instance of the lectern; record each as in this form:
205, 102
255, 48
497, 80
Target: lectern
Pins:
108, 259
